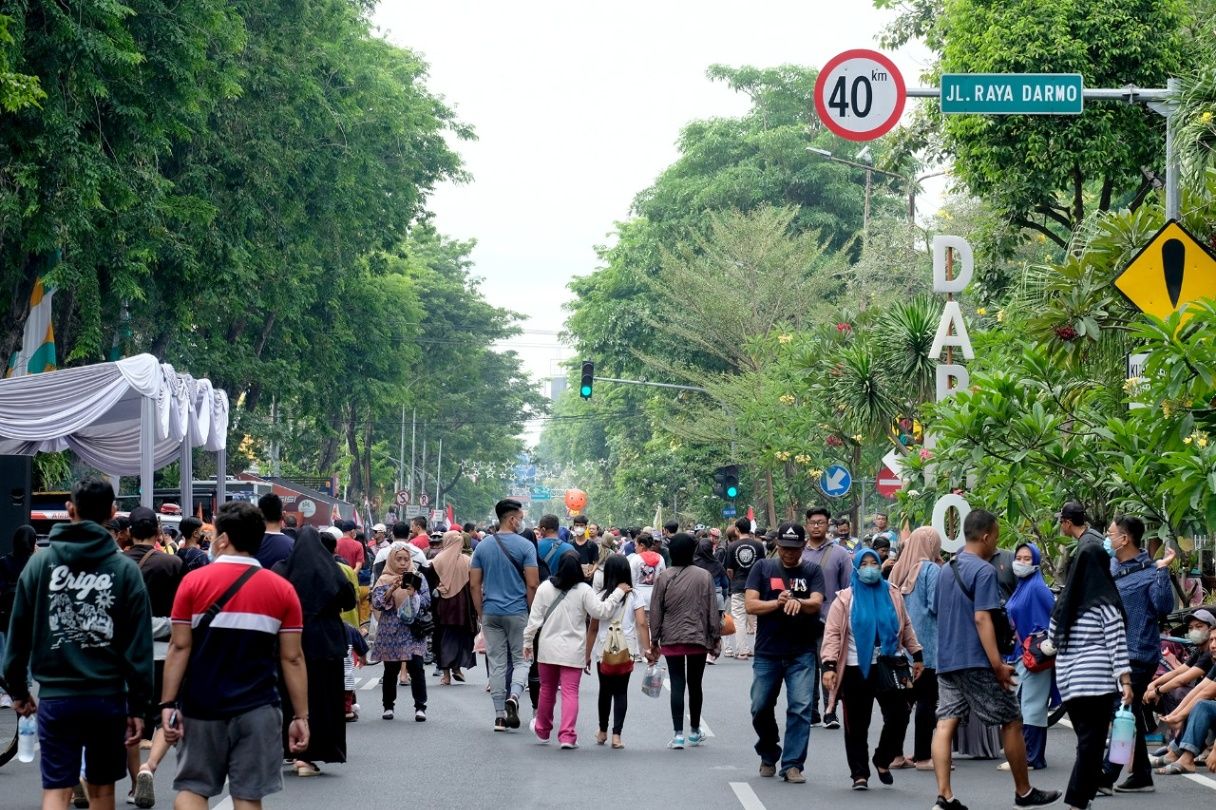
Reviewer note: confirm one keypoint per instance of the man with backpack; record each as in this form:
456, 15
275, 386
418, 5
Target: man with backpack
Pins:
503, 578
550, 545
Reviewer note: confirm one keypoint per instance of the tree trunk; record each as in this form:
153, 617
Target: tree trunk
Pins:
771, 505
352, 446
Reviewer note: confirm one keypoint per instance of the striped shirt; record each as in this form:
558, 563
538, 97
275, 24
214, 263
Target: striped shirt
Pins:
1095, 657
234, 664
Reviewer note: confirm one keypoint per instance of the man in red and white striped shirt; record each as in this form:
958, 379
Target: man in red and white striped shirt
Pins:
221, 695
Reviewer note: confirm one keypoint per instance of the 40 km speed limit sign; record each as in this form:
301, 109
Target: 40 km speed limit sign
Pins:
860, 95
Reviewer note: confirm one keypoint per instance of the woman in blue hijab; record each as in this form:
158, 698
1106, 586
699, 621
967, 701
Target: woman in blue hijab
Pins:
1029, 611
868, 622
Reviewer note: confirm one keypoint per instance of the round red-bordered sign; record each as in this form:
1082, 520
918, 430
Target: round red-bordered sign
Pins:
860, 95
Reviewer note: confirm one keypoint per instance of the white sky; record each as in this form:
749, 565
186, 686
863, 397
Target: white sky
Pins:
577, 107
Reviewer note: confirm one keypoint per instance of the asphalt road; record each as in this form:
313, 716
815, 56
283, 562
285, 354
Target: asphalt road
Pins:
455, 760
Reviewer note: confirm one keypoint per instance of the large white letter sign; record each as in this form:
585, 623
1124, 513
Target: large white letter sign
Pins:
952, 331
943, 505
951, 371
964, 264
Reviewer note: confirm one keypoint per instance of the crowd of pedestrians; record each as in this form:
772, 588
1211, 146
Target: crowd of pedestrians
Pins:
236, 642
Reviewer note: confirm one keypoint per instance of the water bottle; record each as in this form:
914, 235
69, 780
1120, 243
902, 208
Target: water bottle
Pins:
1123, 737
27, 737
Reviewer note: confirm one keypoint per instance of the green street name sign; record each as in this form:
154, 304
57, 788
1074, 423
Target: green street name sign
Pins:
1012, 93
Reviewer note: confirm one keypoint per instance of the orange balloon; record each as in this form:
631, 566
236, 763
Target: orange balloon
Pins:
576, 500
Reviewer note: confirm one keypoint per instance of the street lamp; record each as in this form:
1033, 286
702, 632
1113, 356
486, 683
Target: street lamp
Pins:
868, 166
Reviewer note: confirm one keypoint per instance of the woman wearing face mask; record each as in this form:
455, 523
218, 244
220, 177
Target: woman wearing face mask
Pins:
1029, 611
868, 624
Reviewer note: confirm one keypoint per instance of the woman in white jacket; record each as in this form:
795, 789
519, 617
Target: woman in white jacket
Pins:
557, 631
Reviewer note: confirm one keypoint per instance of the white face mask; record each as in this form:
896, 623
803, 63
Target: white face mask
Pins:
1198, 636
1022, 570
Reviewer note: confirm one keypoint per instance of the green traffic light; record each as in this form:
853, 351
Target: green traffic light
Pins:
732, 492
585, 391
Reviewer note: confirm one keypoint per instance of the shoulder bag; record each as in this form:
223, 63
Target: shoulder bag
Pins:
1006, 641
225, 598
519, 569
1033, 657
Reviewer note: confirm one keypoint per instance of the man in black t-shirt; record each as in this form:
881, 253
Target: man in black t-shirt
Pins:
786, 595
741, 555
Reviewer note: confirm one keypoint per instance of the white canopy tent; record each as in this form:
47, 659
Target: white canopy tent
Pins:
130, 417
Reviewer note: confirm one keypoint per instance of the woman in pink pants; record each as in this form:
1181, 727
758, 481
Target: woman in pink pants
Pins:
556, 636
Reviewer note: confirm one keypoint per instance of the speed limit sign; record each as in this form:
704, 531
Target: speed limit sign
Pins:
860, 95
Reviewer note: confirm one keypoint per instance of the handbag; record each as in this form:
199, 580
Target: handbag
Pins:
1033, 657
420, 623
728, 624
892, 673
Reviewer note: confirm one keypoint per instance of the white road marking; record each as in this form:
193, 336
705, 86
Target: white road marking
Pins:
370, 685
746, 796
1064, 721
225, 804
1206, 781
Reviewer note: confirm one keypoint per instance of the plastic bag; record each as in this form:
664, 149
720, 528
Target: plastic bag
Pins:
652, 680
479, 643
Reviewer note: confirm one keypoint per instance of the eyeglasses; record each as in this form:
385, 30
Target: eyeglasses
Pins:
820, 522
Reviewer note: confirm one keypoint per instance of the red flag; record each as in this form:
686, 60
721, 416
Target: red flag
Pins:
451, 516
751, 515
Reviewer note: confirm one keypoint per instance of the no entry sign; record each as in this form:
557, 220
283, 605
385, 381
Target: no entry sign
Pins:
860, 95
888, 482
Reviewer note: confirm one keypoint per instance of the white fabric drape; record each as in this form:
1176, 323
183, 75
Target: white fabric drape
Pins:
95, 412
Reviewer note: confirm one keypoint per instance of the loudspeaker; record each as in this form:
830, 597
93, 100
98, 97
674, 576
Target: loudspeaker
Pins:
16, 481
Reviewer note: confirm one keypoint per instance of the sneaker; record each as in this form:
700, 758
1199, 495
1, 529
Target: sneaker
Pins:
569, 746
1037, 798
861, 784
512, 712
794, 776
6, 702
677, 742
79, 800
131, 797
830, 721
500, 724
539, 739
767, 770
145, 795
816, 720
420, 716
1131, 785
388, 715
943, 803
695, 737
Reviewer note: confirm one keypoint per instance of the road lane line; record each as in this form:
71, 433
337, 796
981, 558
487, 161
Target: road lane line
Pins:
225, 803
370, 685
1206, 781
704, 726
746, 796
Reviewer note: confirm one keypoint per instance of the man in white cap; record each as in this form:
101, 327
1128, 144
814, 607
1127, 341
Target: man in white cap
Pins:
379, 538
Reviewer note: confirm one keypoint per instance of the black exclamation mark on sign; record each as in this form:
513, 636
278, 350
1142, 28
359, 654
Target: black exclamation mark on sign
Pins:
1173, 259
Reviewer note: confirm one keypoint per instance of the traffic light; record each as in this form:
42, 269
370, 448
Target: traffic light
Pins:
726, 482
584, 389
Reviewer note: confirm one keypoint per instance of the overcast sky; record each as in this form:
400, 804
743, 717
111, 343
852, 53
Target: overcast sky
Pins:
577, 107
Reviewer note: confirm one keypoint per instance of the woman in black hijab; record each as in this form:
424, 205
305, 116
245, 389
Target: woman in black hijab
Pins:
324, 593
686, 628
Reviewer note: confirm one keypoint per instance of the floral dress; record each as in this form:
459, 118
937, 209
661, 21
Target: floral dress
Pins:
394, 641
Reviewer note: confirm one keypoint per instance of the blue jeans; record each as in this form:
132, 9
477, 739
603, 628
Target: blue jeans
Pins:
1201, 721
798, 673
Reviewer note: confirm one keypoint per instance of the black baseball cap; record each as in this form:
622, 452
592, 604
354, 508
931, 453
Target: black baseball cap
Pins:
791, 535
144, 523
1073, 512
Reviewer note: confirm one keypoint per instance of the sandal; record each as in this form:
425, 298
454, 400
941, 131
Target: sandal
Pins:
616, 742
1173, 769
446, 680
601, 737
458, 675
1160, 760
901, 764
306, 768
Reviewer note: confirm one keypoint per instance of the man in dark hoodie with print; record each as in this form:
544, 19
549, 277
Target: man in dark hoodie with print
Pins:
81, 618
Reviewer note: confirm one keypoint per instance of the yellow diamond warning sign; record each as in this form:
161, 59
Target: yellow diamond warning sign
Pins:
1174, 269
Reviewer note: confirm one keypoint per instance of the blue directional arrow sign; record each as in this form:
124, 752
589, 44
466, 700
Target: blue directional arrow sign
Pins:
835, 481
